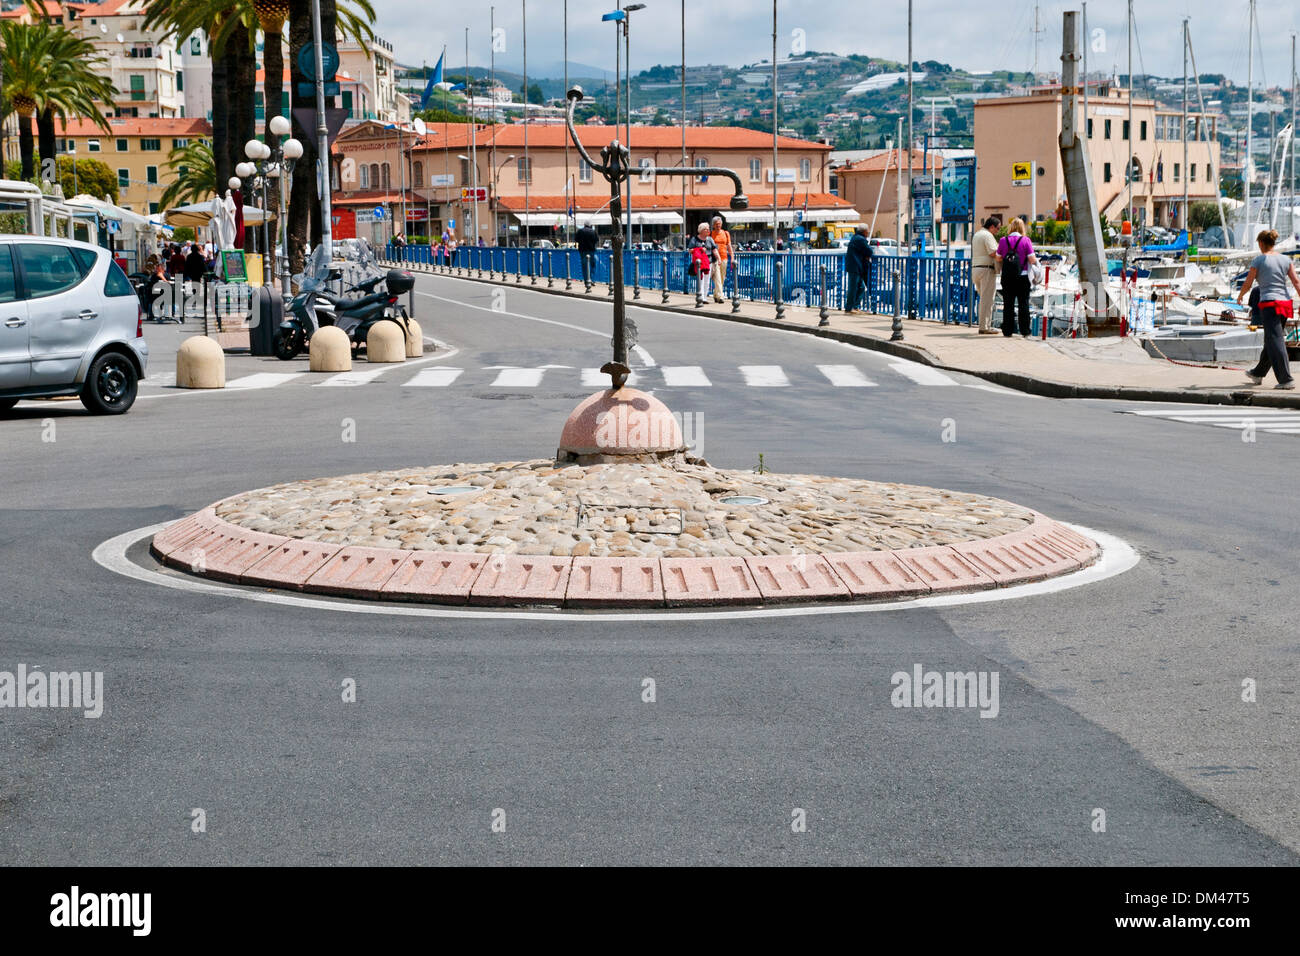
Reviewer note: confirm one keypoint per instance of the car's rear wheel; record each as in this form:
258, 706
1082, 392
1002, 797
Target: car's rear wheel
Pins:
111, 385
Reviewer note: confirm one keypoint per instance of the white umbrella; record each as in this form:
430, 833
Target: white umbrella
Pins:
200, 213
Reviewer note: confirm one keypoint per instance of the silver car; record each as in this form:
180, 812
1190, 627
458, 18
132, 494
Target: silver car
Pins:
70, 324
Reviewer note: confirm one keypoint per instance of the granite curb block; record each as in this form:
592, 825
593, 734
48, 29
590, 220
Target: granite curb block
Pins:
228, 552
1020, 382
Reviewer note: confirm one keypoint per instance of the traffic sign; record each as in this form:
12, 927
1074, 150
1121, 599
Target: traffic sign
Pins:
1022, 174
334, 120
329, 60
378, 213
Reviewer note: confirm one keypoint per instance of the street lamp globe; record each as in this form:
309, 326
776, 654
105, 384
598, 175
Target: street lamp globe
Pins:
279, 125
292, 148
253, 149
244, 170
234, 182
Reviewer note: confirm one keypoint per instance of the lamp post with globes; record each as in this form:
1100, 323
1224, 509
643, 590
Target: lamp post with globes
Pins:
268, 163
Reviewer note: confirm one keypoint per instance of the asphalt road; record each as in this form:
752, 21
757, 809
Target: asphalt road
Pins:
1123, 696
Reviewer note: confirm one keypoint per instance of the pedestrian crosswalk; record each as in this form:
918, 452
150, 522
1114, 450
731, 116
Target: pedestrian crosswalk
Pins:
522, 378
1278, 421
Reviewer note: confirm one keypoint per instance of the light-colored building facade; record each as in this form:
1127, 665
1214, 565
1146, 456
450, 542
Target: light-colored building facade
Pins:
870, 185
137, 150
369, 73
1025, 129
525, 191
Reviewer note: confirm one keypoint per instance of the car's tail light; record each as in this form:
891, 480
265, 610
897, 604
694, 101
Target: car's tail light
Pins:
392, 300
139, 322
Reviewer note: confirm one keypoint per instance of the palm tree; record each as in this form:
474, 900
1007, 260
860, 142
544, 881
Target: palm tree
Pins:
194, 176
48, 68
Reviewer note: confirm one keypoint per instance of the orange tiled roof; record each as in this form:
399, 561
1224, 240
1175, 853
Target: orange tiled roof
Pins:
893, 158
374, 197
137, 126
668, 202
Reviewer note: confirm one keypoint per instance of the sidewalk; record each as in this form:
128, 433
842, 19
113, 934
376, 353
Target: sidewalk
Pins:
1107, 368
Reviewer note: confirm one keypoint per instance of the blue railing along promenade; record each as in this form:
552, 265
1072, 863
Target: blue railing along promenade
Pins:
931, 287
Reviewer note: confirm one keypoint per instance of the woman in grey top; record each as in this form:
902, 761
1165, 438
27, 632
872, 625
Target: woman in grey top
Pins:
1273, 272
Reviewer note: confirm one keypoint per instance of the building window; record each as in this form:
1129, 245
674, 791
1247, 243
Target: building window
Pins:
153, 209
137, 86
1191, 172
1126, 129
180, 82
1142, 131
1160, 127
365, 176
417, 174
1105, 172
701, 163
755, 170
347, 102
524, 169
123, 178
374, 175
1105, 133
805, 170
196, 46
180, 143
1178, 169
1089, 129
150, 145
387, 176
584, 171
122, 146
92, 145
151, 174
646, 166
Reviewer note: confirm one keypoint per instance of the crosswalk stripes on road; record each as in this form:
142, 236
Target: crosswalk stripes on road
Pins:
263, 380
845, 376
1278, 421
685, 376
921, 374
764, 376
359, 377
435, 377
519, 378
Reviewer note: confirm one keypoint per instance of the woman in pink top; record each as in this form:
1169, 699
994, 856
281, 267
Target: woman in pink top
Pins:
1014, 257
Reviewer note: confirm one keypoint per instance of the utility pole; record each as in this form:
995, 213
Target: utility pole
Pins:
683, 127
571, 200
1037, 31
1128, 159
1291, 204
911, 229
528, 162
322, 139
473, 142
1247, 164
492, 91
776, 174
898, 176
1086, 44
1185, 220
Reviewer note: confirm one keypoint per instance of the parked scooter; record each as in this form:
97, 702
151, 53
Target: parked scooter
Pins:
315, 306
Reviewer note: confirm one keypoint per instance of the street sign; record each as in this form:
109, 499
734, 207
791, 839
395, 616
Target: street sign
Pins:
451, 223
473, 195
923, 204
1022, 174
329, 60
378, 213
113, 226
308, 90
441, 179
957, 198
334, 120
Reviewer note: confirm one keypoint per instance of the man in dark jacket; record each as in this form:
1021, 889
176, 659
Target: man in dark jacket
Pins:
857, 266
195, 264
588, 239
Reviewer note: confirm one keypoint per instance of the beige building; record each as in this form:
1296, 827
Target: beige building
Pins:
1024, 129
871, 186
525, 191
367, 79
136, 149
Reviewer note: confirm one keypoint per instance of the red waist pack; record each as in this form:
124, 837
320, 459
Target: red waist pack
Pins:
1279, 307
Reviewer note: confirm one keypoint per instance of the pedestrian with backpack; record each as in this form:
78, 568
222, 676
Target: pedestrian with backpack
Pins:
1015, 256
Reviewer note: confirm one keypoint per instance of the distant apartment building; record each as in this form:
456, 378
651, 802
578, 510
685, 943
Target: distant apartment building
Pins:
136, 148
1025, 129
368, 82
870, 184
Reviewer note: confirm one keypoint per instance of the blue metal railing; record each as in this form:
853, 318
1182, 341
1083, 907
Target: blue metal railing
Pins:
932, 287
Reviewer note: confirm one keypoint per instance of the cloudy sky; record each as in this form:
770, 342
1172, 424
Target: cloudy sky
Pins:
998, 36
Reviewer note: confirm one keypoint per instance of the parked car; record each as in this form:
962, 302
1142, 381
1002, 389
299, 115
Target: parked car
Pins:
70, 324
542, 244
888, 247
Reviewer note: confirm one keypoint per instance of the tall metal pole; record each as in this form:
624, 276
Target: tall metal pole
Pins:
569, 187
492, 89
473, 142
446, 145
911, 227
1247, 166
1128, 159
1086, 44
776, 168
1291, 204
898, 177
683, 129
627, 109
1184, 221
322, 138
528, 162
1214, 170
401, 175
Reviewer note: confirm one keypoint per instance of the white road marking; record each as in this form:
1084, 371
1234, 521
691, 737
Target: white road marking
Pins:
595, 378
764, 376
845, 376
685, 376
358, 377
263, 380
519, 378
1117, 556
921, 374
1277, 421
434, 377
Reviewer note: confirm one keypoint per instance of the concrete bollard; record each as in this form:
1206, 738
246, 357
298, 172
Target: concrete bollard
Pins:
330, 350
385, 343
200, 363
414, 339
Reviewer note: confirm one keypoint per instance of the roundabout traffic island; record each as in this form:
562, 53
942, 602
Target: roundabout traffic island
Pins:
622, 517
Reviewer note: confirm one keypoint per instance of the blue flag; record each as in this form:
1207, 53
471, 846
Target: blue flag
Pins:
433, 82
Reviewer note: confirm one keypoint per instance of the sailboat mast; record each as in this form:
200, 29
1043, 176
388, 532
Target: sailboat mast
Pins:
1290, 220
1128, 160
1212, 174
1247, 174
1185, 220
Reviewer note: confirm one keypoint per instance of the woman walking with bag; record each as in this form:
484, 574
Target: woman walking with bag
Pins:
1272, 271
1015, 256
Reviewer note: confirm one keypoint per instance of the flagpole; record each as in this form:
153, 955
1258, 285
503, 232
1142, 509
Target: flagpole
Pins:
446, 152
567, 185
528, 163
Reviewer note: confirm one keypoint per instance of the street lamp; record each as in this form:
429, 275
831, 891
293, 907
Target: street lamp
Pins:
268, 164
496, 193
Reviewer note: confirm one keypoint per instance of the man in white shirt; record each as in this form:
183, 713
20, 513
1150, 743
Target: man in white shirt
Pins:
984, 272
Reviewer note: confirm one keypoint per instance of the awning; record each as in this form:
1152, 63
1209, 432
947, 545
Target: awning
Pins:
593, 219
831, 215
539, 218
785, 216
200, 214
656, 218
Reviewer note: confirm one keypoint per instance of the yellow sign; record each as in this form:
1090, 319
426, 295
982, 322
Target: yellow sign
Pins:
1022, 174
